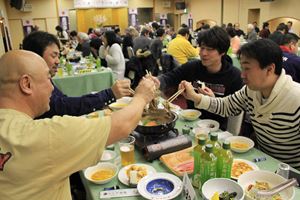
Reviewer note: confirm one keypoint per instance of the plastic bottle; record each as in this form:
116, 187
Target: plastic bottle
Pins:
198, 152
214, 141
98, 63
208, 165
224, 162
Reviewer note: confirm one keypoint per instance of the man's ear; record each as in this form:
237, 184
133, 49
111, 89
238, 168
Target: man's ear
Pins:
271, 68
25, 84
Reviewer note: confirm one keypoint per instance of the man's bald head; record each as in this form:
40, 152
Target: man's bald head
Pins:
25, 83
16, 63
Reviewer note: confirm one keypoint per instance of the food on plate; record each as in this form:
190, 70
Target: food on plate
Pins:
240, 167
190, 114
155, 119
135, 173
260, 185
224, 196
239, 145
102, 174
216, 196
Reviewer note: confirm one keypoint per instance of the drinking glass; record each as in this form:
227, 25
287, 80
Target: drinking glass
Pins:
283, 170
126, 147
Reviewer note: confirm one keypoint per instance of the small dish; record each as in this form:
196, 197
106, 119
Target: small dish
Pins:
221, 185
123, 178
108, 156
240, 144
190, 114
270, 178
208, 123
106, 170
241, 166
160, 186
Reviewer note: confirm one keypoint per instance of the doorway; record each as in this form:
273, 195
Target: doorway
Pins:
253, 15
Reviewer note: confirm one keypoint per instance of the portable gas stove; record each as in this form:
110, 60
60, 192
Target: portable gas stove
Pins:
153, 145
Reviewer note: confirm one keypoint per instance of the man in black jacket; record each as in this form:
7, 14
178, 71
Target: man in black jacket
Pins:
215, 70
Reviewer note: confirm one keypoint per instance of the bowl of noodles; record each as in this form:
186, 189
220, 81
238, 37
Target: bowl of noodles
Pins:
253, 181
101, 173
190, 114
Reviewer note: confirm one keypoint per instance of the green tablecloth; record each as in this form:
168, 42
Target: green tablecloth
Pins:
81, 84
93, 190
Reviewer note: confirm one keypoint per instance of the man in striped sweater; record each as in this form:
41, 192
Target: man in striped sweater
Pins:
270, 97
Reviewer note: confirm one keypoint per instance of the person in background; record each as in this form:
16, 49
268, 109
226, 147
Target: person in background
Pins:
62, 34
143, 41
118, 34
291, 62
251, 34
156, 45
95, 46
235, 41
215, 70
131, 34
180, 48
238, 31
111, 51
276, 36
73, 39
39, 155
255, 27
265, 32
290, 24
47, 46
84, 41
270, 96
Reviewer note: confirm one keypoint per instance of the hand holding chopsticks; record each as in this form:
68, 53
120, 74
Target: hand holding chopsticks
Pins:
174, 96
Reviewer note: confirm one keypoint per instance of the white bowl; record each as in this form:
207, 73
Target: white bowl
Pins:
220, 185
190, 114
108, 156
265, 176
100, 166
240, 144
213, 125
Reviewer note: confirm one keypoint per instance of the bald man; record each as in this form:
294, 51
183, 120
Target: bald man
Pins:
36, 159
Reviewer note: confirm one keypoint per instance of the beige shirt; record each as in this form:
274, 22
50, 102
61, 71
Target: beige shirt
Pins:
44, 153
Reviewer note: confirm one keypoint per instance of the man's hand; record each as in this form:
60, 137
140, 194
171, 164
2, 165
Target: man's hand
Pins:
155, 79
146, 90
189, 92
121, 88
206, 91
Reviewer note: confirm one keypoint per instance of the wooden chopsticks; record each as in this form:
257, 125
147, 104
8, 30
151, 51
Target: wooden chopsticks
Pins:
174, 96
131, 91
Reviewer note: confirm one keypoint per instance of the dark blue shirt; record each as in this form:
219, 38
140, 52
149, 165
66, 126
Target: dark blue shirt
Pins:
291, 64
61, 104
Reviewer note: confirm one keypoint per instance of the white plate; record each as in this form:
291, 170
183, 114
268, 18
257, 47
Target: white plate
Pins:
208, 123
240, 139
177, 183
251, 164
122, 173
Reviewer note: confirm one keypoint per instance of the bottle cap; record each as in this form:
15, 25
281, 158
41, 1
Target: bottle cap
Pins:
209, 148
201, 141
226, 145
213, 136
185, 130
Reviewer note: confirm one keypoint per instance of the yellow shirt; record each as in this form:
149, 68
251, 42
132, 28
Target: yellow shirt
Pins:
181, 49
44, 153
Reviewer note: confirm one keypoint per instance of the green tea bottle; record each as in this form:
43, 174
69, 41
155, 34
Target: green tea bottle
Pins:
214, 141
224, 163
198, 152
208, 165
